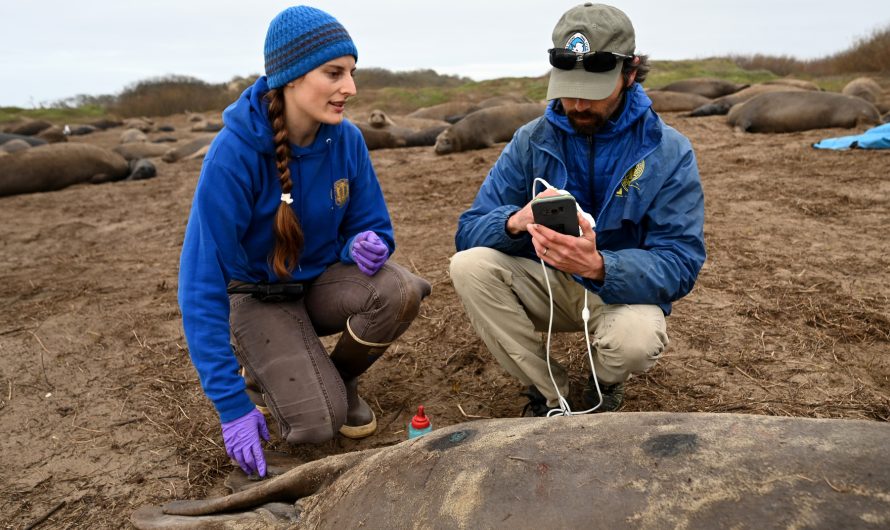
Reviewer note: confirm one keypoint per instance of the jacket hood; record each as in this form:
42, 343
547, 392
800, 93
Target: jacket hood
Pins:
248, 119
636, 104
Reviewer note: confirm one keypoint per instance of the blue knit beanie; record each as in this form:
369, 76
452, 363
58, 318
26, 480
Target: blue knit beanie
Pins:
300, 39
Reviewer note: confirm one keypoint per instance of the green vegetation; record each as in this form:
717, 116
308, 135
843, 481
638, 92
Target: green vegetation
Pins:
54, 114
402, 92
666, 72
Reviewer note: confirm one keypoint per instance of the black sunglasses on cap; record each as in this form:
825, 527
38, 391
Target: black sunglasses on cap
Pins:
596, 62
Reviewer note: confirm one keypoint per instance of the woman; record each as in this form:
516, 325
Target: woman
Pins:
288, 239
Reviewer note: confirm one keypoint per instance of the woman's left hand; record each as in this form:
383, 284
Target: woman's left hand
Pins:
369, 252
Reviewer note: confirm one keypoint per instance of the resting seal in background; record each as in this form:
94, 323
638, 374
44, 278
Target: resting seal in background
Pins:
379, 138
190, 148
487, 127
33, 142
708, 87
801, 111
865, 88
381, 120
668, 101
450, 111
640, 470
721, 106
56, 166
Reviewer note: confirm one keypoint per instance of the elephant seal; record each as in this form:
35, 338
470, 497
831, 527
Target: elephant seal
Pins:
644, 469
207, 126
798, 83
133, 135
451, 111
106, 123
379, 138
82, 129
137, 150
141, 169
32, 141
407, 131
56, 166
709, 87
178, 153
15, 146
199, 154
801, 111
143, 124
425, 137
53, 135
380, 120
29, 127
487, 127
668, 101
864, 88
722, 105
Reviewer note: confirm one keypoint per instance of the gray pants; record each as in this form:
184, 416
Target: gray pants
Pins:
507, 302
278, 345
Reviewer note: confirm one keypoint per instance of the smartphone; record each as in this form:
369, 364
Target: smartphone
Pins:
558, 213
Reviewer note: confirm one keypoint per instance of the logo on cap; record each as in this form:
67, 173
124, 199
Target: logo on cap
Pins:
578, 43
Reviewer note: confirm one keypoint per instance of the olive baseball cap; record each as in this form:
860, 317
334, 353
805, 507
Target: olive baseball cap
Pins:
585, 28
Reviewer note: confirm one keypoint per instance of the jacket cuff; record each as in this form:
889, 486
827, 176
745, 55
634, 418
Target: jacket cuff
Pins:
345, 252
233, 407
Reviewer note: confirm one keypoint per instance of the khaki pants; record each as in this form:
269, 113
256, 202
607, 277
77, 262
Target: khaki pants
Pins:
278, 345
507, 302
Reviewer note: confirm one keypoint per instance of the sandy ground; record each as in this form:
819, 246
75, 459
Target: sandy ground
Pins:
101, 411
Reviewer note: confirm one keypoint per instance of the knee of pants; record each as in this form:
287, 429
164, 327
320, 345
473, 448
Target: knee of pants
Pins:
314, 432
400, 293
470, 268
632, 347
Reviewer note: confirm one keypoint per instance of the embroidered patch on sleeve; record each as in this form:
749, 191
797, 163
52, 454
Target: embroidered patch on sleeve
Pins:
630, 179
341, 191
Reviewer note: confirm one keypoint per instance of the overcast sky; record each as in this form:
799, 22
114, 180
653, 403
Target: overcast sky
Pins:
54, 49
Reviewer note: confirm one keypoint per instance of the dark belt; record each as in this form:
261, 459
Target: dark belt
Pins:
268, 292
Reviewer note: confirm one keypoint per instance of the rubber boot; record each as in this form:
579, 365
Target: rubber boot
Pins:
352, 357
360, 419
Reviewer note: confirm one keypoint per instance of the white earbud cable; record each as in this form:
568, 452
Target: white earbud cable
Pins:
564, 408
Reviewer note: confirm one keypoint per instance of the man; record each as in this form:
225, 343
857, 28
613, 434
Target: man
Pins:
599, 140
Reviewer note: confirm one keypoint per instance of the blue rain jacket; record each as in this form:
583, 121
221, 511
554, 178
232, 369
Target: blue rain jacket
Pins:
230, 236
637, 176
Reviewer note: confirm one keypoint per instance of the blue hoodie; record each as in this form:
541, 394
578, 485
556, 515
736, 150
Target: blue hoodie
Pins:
636, 176
230, 236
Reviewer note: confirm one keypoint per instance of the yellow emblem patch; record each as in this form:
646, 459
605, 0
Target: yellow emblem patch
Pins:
629, 180
341, 191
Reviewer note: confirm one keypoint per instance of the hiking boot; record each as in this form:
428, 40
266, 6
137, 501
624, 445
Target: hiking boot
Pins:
360, 419
254, 392
537, 403
613, 396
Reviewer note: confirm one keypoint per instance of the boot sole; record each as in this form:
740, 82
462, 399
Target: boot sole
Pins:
357, 432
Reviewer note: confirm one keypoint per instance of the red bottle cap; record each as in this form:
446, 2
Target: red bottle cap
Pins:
420, 421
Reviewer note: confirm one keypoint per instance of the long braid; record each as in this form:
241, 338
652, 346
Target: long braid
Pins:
288, 232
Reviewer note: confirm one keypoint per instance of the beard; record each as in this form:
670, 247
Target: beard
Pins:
586, 123
591, 121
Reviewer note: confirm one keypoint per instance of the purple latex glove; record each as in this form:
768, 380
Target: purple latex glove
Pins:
242, 439
369, 252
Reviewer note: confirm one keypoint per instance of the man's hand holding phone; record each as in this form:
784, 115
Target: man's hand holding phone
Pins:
568, 253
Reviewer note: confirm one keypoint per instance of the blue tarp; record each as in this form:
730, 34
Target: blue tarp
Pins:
877, 138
